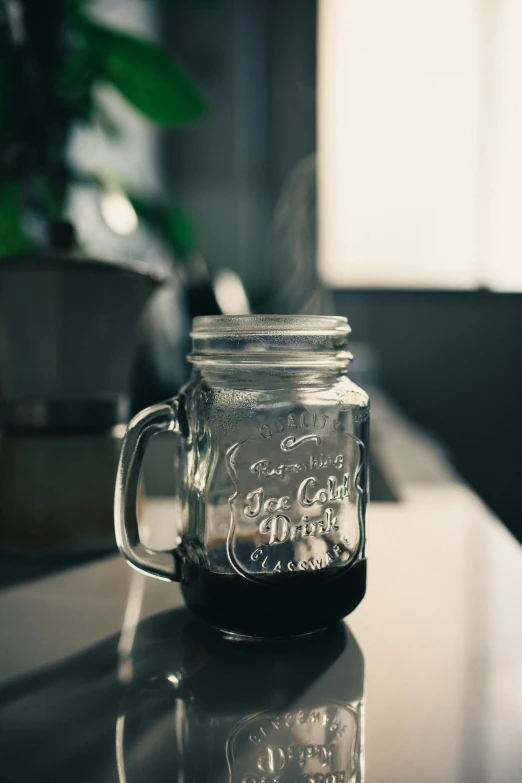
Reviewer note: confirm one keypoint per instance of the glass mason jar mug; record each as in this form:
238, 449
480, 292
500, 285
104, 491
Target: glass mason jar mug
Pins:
273, 456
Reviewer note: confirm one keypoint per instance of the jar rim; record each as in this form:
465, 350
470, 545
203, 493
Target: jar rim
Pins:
283, 340
215, 325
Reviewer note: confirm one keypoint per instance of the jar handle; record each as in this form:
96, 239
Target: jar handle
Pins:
143, 427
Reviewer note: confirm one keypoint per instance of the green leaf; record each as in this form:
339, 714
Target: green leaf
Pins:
169, 222
46, 197
180, 230
76, 75
145, 74
12, 235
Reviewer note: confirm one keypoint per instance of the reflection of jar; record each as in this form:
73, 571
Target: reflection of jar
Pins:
275, 487
245, 712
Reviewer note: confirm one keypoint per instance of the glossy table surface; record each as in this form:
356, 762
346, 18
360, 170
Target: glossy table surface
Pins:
105, 677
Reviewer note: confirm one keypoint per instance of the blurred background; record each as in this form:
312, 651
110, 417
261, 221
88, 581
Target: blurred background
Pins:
162, 159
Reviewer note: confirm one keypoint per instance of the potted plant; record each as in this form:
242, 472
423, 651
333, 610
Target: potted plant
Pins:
68, 322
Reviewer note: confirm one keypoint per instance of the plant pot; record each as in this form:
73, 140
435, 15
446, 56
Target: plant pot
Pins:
68, 334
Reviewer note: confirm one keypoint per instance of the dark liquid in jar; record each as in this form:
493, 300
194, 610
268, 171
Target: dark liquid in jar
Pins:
276, 605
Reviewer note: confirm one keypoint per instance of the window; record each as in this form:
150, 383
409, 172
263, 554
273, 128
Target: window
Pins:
420, 143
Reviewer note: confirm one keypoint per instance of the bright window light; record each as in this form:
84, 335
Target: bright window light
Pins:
420, 143
118, 213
